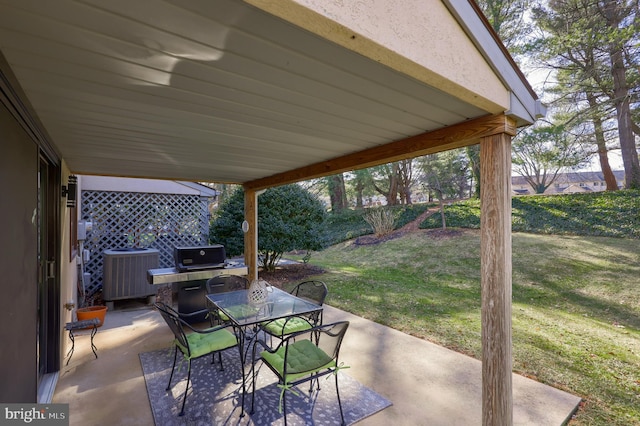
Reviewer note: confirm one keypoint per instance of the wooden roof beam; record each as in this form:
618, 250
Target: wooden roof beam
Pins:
456, 136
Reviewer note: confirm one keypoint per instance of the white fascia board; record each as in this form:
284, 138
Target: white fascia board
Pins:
151, 186
205, 191
518, 110
526, 108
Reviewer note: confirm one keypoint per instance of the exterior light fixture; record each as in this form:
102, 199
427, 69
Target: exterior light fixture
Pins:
71, 191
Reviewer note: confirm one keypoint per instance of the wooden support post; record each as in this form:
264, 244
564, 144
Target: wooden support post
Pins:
251, 234
495, 246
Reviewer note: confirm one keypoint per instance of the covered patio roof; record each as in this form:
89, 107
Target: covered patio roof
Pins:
264, 92
233, 91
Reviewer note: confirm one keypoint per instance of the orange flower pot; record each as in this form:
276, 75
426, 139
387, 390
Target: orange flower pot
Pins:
92, 312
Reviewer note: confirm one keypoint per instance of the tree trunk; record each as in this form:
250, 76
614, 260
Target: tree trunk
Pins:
609, 177
405, 178
392, 195
337, 192
441, 201
473, 152
621, 100
270, 260
359, 190
625, 133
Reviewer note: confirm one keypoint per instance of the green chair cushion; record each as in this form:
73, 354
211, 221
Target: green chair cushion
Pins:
284, 326
303, 358
223, 316
238, 311
205, 343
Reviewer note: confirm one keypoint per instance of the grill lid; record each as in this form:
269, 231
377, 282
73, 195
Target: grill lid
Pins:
198, 258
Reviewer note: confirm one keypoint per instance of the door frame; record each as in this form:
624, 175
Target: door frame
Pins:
49, 300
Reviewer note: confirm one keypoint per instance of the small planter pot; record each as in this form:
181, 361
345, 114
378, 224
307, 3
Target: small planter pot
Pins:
92, 312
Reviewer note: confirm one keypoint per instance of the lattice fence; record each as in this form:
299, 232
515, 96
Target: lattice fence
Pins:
133, 219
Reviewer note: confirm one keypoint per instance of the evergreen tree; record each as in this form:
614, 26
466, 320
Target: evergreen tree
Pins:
593, 48
289, 218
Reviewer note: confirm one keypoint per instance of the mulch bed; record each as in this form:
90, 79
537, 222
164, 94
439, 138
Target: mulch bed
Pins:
290, 273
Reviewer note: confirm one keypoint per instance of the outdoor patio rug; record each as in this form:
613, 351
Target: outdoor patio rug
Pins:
214, 397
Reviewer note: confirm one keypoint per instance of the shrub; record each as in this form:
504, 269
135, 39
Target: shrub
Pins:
381, 220
289, 218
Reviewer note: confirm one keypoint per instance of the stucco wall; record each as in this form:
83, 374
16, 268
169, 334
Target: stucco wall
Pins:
68, 268
417, 37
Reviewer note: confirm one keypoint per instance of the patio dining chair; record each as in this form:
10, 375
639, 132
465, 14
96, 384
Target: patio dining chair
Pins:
313, 291
223, 284
194, 343
303, 357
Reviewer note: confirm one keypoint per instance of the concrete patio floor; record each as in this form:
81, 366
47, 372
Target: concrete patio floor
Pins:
428, 384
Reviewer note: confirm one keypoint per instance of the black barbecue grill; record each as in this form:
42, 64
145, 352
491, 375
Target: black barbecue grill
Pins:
199, 258
191, 294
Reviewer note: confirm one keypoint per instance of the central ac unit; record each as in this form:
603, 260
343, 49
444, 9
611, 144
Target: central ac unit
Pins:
125, 273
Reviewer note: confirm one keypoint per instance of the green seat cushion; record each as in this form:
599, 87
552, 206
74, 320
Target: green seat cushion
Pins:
205, 343
284, 326
238, 311
303, 358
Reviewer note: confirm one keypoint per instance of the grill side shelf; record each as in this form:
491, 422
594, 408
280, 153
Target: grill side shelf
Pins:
172, 275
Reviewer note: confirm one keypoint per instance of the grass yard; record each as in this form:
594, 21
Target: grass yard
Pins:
576, 306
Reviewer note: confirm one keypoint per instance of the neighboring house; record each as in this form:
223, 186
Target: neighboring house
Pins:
568, 183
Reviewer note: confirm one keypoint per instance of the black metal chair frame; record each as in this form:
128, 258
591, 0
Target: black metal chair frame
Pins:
222, 284
334, 331
178, 325
226, 282
301, 291
314, 291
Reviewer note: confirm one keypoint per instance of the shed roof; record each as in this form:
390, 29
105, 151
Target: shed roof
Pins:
153, 186
247, 91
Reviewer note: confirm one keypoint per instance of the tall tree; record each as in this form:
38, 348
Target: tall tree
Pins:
446, 175
507, 18
601, 143
622, 21
577, 43
582, 78
385, 181
405, 180
361, 184
394, 181
541, 152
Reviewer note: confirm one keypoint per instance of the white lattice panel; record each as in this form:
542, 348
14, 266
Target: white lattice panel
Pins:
131, 219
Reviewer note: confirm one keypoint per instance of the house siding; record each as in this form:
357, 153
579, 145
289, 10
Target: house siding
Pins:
569, 183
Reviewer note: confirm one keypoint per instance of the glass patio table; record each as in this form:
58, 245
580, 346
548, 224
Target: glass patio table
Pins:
247, 317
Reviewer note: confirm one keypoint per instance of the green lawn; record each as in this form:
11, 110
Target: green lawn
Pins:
576, 306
